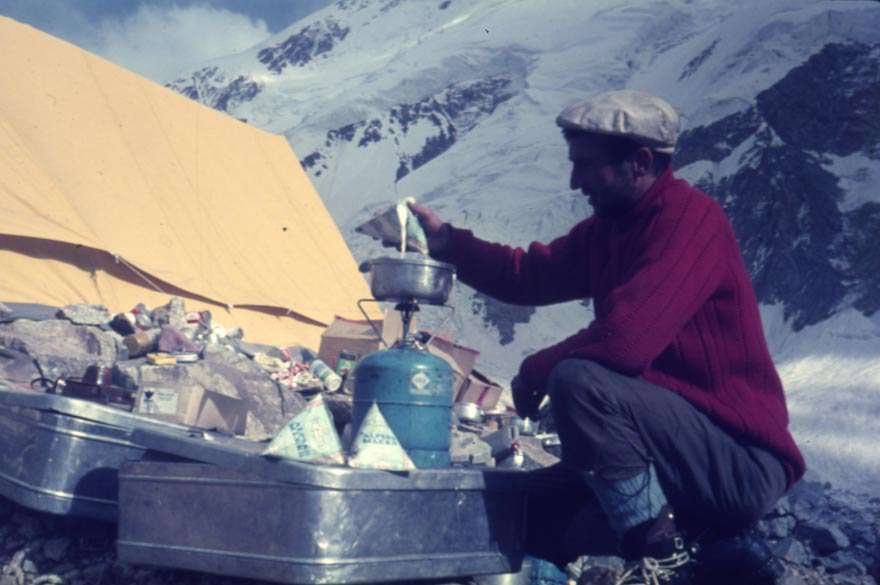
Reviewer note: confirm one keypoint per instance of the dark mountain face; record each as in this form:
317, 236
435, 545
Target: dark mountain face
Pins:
451, 112
307, 44
801, 249
213, 88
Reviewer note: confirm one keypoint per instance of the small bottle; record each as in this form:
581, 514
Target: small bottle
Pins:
345, 362
331, 380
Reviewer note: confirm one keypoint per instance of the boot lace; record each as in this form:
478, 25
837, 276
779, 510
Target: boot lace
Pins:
651, 571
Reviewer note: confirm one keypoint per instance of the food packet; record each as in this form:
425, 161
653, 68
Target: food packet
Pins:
376, 447
309, 436
397, 225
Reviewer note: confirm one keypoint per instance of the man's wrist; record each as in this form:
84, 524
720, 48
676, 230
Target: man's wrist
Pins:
439, 241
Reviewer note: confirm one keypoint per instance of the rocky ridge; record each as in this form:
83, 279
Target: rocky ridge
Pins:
419, 131
214, 88
804, 245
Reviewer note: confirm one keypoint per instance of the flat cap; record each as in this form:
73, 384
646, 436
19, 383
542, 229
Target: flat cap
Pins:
640, 116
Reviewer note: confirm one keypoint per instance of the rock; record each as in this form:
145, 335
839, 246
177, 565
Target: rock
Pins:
791, 550
340, 406
28, 525
55, 549
173, 313
597, 570
66, 570
94, 573
782, 507
29, 311
598, 576
83, 314
536, 456
171, 340
469, 449
842, 562
823, 538
780, 527
805, 496
269, 407
791, 578
17, 367
862, 532
501, 441
60, 348
226, 372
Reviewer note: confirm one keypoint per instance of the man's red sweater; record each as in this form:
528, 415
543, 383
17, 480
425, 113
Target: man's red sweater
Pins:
673, 305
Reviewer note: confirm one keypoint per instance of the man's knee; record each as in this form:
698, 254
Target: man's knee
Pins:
571, 376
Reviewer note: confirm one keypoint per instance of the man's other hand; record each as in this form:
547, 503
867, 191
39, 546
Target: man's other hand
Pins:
526, 400
436, 231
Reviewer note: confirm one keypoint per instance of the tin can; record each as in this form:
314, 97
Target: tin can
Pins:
331, 380
345, 363
141, 343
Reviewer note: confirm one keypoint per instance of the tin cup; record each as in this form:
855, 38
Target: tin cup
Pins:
331, 380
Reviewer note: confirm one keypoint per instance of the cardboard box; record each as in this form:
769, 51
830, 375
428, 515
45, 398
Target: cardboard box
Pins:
464, 357
480, 390
357, 337
460, 358
193, 406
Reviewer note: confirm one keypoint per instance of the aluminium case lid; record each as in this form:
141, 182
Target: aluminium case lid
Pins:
85, 409
246, 456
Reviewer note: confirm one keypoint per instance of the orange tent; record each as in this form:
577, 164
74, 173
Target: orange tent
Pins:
116, 190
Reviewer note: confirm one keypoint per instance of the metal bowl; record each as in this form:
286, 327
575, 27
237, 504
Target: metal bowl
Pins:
468, 412
403, 279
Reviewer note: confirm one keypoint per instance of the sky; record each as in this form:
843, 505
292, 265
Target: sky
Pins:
160, 38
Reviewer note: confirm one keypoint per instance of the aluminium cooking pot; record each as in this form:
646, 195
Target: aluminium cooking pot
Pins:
410, 278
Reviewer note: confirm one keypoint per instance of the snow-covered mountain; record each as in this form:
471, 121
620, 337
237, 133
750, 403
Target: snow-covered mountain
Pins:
453, 102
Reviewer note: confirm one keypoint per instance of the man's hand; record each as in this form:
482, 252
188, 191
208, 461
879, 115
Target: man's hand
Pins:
526, 400
436, 231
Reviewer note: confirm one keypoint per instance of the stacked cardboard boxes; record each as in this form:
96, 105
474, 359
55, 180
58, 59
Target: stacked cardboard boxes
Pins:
360, 338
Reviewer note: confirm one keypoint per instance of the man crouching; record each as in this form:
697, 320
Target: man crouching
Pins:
671, 414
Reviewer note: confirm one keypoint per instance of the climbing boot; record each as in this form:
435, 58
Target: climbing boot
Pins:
657, 552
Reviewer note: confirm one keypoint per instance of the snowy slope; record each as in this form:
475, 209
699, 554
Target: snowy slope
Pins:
453, 102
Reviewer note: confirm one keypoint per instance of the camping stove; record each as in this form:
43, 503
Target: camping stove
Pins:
412, 387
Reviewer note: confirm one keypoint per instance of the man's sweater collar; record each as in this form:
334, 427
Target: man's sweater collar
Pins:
646, 200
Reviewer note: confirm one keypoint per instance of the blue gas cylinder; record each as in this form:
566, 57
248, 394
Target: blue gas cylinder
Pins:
413, 389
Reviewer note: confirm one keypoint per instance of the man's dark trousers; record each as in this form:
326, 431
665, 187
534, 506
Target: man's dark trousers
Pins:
615, 426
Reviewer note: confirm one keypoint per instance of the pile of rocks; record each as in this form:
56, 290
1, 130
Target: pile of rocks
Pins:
39, 342
825, 535
818, 534
39, 549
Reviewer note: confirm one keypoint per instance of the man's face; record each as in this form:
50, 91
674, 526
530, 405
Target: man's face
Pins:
609, 185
